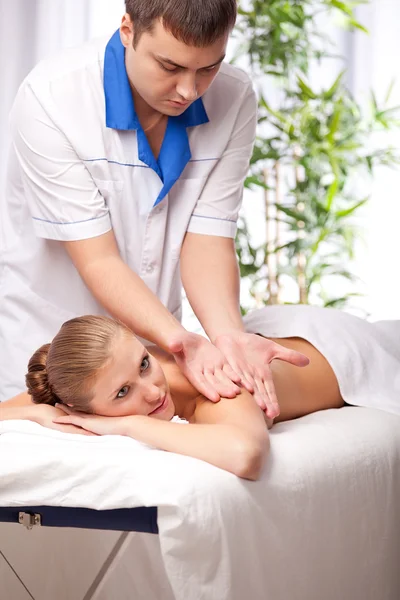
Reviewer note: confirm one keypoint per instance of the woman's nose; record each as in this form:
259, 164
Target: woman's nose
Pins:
152, 393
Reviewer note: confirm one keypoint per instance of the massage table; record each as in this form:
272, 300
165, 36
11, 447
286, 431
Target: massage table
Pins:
119, 520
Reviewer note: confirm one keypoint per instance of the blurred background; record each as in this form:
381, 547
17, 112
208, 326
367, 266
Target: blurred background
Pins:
321, 213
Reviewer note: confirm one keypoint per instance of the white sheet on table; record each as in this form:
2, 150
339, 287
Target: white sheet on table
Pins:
327, 504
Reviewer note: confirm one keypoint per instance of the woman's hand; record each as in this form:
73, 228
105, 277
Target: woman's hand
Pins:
91, 424
46, 415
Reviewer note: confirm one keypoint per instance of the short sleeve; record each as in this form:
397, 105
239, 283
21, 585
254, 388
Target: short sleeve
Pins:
61, 195
216, 211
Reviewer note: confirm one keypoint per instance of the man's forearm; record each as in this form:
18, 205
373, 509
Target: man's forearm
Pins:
210, 276
124, 295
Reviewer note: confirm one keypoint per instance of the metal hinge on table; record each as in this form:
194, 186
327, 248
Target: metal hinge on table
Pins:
29, 520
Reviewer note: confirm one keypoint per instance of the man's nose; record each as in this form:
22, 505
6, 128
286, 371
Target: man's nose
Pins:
187, 87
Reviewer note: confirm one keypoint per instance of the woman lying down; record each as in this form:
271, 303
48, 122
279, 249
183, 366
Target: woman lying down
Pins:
96, 378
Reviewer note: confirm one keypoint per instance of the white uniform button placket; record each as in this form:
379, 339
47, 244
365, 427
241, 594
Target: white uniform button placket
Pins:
150, 268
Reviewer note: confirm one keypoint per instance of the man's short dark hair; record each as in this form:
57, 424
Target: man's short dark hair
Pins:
197, 23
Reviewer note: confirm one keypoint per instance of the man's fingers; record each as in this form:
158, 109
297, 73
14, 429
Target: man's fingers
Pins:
291, 356
222, 384
247, 382
246, 379
233, 375
200, 382
259, 394
272, 410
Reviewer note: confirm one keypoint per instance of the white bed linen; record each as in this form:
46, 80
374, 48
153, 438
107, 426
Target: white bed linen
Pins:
322, 523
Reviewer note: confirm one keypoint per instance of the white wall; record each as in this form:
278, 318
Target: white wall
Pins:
376, 65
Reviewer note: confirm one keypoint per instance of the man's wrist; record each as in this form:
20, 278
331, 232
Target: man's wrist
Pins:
173, 331
226, 329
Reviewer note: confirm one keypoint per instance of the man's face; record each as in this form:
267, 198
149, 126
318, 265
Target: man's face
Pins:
166, 73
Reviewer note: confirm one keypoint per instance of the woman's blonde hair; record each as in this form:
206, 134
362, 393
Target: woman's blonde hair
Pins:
62, 372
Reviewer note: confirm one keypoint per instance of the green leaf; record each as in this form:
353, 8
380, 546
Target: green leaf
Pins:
329, 94
332, 191
306, 88
340, 214
278, 115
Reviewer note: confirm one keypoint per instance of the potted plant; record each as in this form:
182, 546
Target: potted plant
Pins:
310, 149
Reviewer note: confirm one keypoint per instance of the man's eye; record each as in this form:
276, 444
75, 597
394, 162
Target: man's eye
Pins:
123, 391
169, 70
145, 364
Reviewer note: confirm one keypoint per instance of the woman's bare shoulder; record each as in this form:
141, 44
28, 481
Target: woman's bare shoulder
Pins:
22, 399
182, 391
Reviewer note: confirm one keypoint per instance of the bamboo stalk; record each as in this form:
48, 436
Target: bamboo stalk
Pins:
301, 257
278, 200
268, 256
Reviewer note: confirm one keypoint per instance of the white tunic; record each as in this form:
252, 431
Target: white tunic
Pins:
81, 165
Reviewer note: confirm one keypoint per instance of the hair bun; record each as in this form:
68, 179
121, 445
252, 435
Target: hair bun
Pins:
37, 380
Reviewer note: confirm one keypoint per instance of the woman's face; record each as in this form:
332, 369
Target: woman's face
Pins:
131, 383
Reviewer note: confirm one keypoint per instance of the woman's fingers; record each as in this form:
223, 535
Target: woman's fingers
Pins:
67, 420
72, 429
63, 407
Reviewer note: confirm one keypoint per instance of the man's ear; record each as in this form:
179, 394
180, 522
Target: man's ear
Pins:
126, 31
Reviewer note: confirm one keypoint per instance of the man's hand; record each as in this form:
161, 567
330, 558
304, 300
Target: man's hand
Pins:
204, 366
249, 356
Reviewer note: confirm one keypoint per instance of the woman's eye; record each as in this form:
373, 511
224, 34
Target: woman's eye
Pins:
145, 364
123, 391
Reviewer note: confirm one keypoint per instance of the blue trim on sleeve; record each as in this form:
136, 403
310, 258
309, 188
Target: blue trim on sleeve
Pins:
214, 218
69, 222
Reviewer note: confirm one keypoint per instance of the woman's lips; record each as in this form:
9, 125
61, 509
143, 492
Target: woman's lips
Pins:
160, 406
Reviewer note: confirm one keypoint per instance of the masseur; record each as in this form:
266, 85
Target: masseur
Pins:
125, 181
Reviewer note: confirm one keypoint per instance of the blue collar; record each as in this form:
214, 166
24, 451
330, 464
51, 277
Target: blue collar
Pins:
120, 114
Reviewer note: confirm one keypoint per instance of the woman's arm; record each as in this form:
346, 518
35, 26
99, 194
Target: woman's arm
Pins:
21, 408
231, 435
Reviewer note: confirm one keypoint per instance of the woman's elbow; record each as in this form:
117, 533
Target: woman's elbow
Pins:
251, 457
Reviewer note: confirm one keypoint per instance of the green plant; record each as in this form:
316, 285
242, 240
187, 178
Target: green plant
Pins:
308, 152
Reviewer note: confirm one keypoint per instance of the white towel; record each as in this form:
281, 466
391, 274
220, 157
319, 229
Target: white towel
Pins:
364, 356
